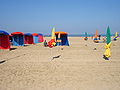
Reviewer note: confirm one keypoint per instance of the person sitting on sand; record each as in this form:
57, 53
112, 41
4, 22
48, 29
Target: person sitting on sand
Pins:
45, 43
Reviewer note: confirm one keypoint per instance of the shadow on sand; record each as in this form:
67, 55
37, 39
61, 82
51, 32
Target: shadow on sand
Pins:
26, 45
12, 49
2, 61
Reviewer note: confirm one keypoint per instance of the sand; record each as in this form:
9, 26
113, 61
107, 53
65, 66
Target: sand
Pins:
79, 67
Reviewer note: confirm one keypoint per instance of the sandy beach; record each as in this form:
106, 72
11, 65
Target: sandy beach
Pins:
79, 67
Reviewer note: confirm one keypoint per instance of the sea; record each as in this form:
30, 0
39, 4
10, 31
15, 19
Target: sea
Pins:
81, 35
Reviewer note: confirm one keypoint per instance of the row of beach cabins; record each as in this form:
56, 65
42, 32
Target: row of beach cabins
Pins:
18, 39
59, 38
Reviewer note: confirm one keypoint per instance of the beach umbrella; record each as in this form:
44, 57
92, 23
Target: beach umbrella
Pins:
53, 34
107, 53
108, 36
86, 36
59, 43
59, 40
96, 34
52, 43
116, 36
96, 37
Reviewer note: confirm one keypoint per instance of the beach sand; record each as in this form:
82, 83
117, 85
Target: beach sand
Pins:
79, 67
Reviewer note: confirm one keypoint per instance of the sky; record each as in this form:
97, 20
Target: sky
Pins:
71, 16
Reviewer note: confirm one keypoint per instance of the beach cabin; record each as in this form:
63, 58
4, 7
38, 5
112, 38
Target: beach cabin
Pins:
63, 37
17, 39
35, 38
4, 40
28, 38
40, 37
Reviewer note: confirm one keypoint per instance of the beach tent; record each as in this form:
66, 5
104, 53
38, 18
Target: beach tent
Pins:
35, 38
28, 38
63, 36
40, 37
17, 39
4, 40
